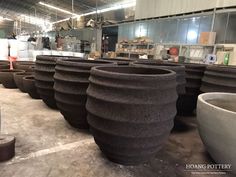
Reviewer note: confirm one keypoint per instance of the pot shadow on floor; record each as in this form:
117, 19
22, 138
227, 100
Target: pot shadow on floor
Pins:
162, 165
184, 124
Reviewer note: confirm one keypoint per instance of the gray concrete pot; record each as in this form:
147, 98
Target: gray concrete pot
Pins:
216, 116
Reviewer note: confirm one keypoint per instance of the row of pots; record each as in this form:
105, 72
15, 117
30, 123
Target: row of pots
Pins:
22, 77
112, 101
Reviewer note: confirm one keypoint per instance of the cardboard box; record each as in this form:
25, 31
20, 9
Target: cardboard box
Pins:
207, 38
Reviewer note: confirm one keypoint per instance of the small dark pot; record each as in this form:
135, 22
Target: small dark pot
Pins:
44, 72
18, 78
219, 78
29, 86
7, 77
70, 85
4, 66
131, 111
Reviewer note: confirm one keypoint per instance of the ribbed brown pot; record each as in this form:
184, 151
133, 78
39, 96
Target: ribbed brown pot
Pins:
18, 78
29, 86
178, 68
131, 111
7, 77
44, 72
219, 79
187, 102
71, 82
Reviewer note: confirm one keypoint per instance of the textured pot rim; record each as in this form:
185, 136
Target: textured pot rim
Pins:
82, 62
118, 59
153, 64
203, 97
221, 67
128, 75
11, 70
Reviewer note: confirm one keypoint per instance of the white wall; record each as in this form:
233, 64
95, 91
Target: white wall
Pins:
156, 8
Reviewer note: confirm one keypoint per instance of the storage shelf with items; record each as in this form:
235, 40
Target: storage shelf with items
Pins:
135, 49
195, 53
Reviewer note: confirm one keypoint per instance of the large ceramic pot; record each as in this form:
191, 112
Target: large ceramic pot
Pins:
18, 78
120, 61
178, 68
29, 86
71, 82
7, 77
44, 72
187, 102
216, 116
219, 79
131, 111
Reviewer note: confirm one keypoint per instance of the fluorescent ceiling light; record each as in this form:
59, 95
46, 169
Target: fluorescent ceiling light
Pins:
117, 6
56, 8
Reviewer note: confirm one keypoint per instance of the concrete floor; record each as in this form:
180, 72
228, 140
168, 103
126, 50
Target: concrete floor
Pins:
47, 146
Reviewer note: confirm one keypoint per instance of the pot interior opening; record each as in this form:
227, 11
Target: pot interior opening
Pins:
135, 70
227, 104
29, 78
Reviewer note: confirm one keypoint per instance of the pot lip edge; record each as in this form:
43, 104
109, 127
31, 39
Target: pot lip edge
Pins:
202, 100
96, 69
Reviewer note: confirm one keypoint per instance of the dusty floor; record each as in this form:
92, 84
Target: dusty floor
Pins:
47, 146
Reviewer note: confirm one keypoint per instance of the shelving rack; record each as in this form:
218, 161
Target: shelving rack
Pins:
133, 50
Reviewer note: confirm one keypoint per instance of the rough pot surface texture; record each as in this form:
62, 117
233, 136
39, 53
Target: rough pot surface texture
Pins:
131, 111
18, 78
216, 116
71, 83
29, 86
187, 102
44, 72
219, 79
7, 77
179, 69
